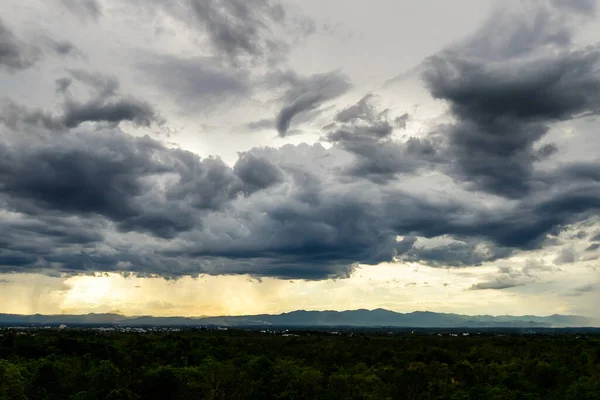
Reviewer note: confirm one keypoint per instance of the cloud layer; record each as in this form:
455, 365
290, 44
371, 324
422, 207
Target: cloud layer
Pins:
86, 186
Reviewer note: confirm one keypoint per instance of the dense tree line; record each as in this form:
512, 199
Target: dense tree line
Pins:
85, 365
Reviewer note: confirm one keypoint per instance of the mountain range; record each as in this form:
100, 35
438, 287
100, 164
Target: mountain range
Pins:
301, 318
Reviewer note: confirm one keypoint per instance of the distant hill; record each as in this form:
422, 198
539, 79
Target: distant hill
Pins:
356, 318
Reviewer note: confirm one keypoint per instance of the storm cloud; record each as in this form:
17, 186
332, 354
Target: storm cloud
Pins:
366, 132
272, 214
86, 186
504, 96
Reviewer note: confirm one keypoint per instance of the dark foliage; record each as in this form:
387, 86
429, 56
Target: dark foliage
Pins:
87, 364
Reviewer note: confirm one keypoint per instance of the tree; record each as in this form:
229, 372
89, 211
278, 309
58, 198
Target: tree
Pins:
585, 388
11, 382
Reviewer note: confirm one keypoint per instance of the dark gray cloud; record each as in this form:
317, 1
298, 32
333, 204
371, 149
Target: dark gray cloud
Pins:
257, 172
221, 214
306, 94
505, 89
75, 113
140, 186
528, 225
15, 55
105, 105
457, 254
110, 111
94, 199
275, 213
84, 9
68, 176
119, 178
18, 117
28, 242
544, 216
567, 85
366, 132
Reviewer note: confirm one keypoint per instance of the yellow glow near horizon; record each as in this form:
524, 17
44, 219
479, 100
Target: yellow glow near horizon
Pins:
89, 289
398, 287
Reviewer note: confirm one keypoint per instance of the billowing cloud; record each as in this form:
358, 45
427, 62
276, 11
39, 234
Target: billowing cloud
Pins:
83, 190
504, 87
257, 172
135, 182
275, 213
366, 132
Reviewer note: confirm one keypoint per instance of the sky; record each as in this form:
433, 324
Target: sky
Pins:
229, 157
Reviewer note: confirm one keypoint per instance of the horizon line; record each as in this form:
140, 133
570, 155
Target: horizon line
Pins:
300, 310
